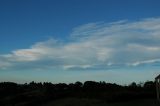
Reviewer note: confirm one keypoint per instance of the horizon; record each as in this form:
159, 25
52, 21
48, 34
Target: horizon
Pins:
84, 40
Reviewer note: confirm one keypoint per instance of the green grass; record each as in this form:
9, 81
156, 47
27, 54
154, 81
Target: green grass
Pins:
94, 102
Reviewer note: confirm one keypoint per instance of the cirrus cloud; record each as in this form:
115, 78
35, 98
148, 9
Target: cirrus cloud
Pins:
93, 46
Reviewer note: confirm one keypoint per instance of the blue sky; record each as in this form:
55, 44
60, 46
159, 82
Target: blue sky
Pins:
71, 40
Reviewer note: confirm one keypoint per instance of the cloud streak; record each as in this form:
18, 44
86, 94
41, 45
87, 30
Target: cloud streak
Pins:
93, 46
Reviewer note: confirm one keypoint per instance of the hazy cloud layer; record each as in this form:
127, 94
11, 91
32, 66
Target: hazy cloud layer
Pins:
93, 46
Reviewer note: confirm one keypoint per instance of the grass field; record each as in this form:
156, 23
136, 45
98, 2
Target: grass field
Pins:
93, 102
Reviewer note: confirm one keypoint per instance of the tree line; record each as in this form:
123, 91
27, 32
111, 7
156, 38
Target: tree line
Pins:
28, 94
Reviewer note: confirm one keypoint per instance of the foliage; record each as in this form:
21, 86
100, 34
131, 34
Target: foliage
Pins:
41, 93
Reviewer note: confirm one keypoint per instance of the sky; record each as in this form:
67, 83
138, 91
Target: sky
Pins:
115, 41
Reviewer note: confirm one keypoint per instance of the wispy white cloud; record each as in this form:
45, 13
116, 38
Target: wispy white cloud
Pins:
93, 46
144, 62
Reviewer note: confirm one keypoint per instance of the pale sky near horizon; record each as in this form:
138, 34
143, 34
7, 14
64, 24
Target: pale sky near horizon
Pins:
77, 40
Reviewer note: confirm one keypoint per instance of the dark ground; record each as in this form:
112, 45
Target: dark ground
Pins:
89, 93
94, 102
